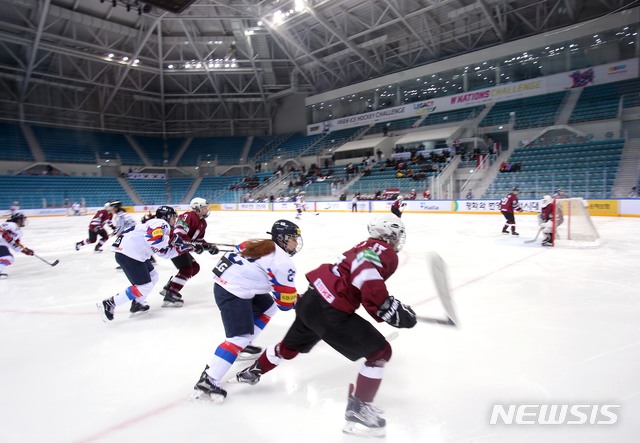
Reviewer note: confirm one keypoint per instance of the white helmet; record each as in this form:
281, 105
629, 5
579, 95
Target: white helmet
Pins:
389, 229
546, 201
200, 206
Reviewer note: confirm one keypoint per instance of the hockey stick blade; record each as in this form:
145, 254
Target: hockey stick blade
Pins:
441, 280
437, 321
534, 238
54, 263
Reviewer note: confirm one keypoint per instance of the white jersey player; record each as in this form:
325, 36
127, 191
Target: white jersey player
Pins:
10, 235
133, 253
251, 283
122, 220
301, 205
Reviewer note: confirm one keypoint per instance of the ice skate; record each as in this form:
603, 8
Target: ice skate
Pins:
3, 276
363, 419
207, 389
138, 309
547, 243
97, 251
504, 231
78, 244
515, 233
172, 300
250, 352
106, 309
250, 375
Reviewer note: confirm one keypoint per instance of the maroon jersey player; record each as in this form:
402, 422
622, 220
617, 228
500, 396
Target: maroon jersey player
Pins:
327, 312
97, 228
508, 205
191, 227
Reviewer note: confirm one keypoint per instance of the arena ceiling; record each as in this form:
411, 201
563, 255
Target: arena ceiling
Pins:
224, 66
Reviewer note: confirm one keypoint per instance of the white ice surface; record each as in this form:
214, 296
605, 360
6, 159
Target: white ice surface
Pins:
555, 326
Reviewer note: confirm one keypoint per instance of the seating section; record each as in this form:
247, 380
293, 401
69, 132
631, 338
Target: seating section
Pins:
213, 187
34, 192
75, 146
291, 147
395, 125
13, 145
226, 150
601, 102
177, 188
153, 147
382, 178
584, 169
150, 191
458, 115
530, 112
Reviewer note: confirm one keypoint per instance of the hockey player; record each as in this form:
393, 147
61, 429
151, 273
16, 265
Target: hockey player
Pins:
243, 280
133, 250
301, 205
545, 220
121, 219
398, 206
97, 228
190, 227
11, 231
507, 205
327, 312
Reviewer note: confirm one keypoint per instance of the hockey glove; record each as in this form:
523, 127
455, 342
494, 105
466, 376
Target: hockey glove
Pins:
397, 314
27, 251
179, 244
198, 248
213, 249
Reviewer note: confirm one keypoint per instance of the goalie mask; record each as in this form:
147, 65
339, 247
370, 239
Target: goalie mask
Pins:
388, 229
546, 201
200, 207
283, 233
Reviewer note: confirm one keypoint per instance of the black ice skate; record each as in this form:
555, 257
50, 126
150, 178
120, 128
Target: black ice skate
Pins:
515, 233
363, 418
3, 276
504, 231
106, 309
78, 244
250, 375
138, 308
250, 352
207, 389
172, 300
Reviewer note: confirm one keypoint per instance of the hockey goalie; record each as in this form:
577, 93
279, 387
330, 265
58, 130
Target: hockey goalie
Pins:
566, 222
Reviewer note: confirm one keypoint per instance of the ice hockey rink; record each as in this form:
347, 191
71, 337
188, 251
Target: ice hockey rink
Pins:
538, 326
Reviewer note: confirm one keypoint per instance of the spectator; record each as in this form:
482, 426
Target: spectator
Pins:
633, 193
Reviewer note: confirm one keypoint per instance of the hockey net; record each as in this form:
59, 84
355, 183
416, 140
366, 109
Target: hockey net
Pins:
572, 225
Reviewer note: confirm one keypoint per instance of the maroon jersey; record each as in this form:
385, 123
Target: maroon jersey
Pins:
358, 278
510, 203
100, 220
546, 213
398, 204
190, 227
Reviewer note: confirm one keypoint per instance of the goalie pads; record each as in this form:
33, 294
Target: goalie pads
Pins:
396, 313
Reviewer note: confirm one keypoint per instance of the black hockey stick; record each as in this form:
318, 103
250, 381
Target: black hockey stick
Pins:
55, 262
437, 321
536, 237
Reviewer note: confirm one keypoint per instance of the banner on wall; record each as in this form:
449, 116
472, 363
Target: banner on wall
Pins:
254, 206
492, 205
597, 75
602, 207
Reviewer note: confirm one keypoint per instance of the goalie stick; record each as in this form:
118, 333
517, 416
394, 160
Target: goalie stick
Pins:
441, 280
536, 237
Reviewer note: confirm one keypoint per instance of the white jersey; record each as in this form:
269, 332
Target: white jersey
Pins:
151, 237
273, 273
122, 221
10, 235
300, 203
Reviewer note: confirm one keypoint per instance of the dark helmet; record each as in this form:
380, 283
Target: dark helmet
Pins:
166, 212
19, 219
282, 231
115, 204
516, 189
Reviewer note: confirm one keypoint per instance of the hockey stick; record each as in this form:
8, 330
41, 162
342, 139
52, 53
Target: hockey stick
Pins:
55, 262
441, 279
437, 321
536, 237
